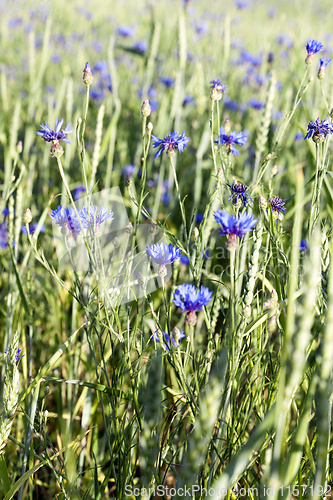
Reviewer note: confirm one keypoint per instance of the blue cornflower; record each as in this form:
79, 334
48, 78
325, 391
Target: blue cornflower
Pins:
188, 299
3, 235
199, 217
94, 219
242, 4
217, 85
312, 47
140, 47
322, 68
184, 260
230, 139
125, 32
55, 135
303, 246
217, 90
17, 355
230, 104
278, 208
172, 143
32, 228
163, 254
77, 192
324, 62
167, 339
188, 99
232, 225
255, 104
168, 81
239, 191
128, 170
318, 130
66, 219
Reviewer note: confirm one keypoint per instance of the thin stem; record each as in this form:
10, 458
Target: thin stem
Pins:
180, 201
314, 200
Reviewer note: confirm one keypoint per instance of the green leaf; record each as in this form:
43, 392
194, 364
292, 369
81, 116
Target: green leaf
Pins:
49, 364
4, 474
97, 387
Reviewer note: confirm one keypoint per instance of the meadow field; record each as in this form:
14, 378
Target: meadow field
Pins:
166, 284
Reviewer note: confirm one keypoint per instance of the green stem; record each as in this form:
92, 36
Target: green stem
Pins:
180, 201
315, 197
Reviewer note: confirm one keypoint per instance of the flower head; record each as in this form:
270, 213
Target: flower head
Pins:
188, 299
125, 31
87, 75
239, 191
217, 90
55, 135
318, 130
90, 217
303, 246
167, 339
232, 225
171, 144
77, 192
66, 219
322, 68
163, 254
278, 208
230, 139
312, 47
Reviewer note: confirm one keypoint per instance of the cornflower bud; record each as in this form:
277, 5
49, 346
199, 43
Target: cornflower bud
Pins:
227, 126
128, 181
176, 335
27, 217
247, 311
145, 108
87, 75
262, 202
153, 228
129, 228
272, 325
19, 147
150, 127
